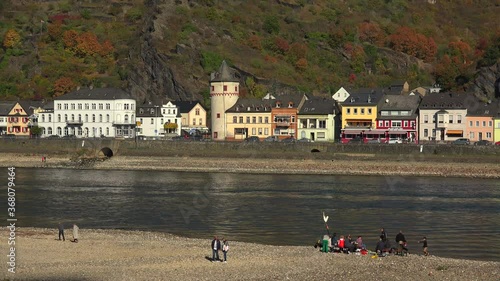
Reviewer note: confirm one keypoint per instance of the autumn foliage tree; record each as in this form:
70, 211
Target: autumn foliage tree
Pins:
11, 38
408, 41
371, 32
86, 44
63, 85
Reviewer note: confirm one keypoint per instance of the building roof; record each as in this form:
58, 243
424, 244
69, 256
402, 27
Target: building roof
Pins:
401, 102
29, 105
224, 74
364, 96
186, 106
145, 111
318, 106
251, 105
483, 109
446, 101
96, 94
285, 99
5, 107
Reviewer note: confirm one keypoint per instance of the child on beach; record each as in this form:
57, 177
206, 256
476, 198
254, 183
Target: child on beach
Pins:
225, 249
424, 241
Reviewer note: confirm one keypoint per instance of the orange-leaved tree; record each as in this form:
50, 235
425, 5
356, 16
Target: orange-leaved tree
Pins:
371, 32
408, 41
11, 38
63, 85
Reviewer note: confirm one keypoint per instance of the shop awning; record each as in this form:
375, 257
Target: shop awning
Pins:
352, 131
397, 132
454, 132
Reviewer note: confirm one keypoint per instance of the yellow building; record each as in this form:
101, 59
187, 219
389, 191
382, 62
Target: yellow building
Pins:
359, 113
249, 117
18, 121
496, 130
193, 115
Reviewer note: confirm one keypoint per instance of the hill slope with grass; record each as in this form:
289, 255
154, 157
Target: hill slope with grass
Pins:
167, 48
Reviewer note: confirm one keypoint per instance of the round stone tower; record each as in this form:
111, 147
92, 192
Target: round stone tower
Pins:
224, 93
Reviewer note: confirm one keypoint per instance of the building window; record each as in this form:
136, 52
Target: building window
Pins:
108, 106
459, 119
266, 131
43, 118
434, 119
426, 118
471, 135
65, 106
59, 106
101, 107
484, 123
152, 121
450, 120
355, 111
94, 106
86, 106
107, 131
241, 119
50, 118
65, 117
477, 123
380, 123
248, 119
200, 121
93, 118
72, 117
362, 111
126, 118
433, 133
86, 118
266, 120
405, 124
49, 131
235, 119
387, 123
396, 124
253, 131
488, 135
79, 118
322, 124
194, 121
426, 133
369, 111
470, 123
225, 88
197, 111
218, 115
213, 88
440, 119
254, 119
348, 110
490, 123
59, 131
107, 117
236, 88
100, 118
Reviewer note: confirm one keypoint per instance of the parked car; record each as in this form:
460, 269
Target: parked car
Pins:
305, 140
252, 139
373, 141
482, 142
394, 140
497, 143
461, 141
69, 137
52, 137
356, 141
288, 140
272, 139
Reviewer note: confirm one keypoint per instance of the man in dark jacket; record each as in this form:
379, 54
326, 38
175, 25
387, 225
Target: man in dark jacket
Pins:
380, 246
401, 241
215, 249
61, 231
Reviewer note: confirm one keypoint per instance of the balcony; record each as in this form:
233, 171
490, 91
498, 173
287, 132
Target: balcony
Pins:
124, 123
282, 123
74, 122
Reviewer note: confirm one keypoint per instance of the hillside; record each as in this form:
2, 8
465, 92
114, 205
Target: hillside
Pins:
167, 48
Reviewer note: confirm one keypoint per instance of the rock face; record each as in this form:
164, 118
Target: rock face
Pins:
487, 82
153, 79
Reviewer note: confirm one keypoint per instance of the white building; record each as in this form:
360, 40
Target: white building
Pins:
155, 120
87, 113
341, 95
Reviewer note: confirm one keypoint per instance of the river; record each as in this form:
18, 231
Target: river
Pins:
460, 217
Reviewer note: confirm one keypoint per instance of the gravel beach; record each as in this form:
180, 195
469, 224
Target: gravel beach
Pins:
136, 255
349, 165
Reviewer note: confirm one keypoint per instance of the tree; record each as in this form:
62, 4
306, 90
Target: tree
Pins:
271, 25
370, 32
63, 85
255, 42
69, 38
36, 131
301, 64
408, 41
11, 38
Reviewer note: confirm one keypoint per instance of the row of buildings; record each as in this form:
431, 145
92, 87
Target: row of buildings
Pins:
393, 112
105, 112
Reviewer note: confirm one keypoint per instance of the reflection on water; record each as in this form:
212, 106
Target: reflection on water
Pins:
271, 209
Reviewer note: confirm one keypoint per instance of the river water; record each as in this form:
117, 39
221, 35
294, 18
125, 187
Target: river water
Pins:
460, 217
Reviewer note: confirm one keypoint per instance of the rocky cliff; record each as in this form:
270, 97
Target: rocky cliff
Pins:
486, 85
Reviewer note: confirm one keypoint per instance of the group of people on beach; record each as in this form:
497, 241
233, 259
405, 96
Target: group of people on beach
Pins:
218, 246
346, 244
60, 227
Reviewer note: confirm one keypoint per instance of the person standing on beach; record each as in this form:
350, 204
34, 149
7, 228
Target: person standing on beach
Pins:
225, 249
75, 233
215, 249
61, 231
424, 242
383, 234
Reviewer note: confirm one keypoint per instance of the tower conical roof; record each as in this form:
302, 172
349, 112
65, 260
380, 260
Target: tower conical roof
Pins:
224, 74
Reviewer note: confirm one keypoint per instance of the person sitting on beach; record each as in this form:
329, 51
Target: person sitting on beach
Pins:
341, 243
349, 245
380, 246
215, 249
359, 243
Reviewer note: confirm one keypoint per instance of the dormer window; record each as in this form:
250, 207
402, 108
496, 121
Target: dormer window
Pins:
141, 111
248, 108
290, 104
352, 100
152, 111
278, 104
257, 108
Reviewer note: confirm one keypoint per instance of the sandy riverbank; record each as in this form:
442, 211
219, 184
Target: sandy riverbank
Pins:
133, 255
339, 166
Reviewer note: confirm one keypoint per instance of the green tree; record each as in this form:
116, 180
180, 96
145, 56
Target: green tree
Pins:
271, 25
